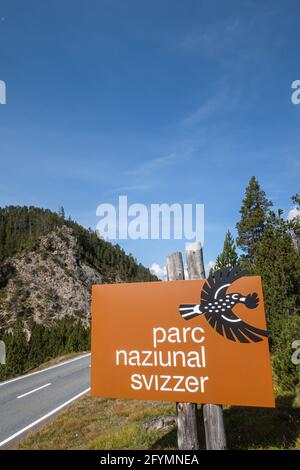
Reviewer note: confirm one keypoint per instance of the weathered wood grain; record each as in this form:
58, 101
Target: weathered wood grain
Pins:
187, 413
194, 261
215, 436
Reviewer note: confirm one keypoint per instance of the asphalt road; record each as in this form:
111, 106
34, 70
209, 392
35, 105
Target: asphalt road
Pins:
29, 400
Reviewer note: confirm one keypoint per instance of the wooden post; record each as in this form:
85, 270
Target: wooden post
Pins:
194, 261
215, 436
187, 413
175, 269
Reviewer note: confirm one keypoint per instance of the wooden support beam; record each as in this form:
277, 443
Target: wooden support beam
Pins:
194, 261
187, 413
175, 269
215, 436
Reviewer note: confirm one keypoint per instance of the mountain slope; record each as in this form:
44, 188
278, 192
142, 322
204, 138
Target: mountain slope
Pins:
48, 264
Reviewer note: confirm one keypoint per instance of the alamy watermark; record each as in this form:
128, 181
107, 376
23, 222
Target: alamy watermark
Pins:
153, 222
2, 352
295, 97
296, 354
2, 92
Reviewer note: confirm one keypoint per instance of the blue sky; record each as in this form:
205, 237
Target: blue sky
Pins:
165, 101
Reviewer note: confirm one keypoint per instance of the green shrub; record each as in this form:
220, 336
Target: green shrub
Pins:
287, 373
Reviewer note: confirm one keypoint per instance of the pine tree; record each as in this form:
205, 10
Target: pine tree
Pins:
61, 212
254, 213
17, 350
229, 256
295, 222
77, 339
277, 261
37, 353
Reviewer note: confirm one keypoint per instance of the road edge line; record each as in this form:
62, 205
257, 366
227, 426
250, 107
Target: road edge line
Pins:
18, 433
34, 390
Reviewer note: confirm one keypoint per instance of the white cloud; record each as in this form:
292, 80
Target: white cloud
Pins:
208, 267
159, 271
293, 214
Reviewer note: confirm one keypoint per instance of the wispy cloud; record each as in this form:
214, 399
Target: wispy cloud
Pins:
224, 100
203, 112
237, 36
149, 171
213, 38
130, 188
211, 109
152, 165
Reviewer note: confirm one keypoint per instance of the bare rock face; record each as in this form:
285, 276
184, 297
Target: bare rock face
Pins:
47, 282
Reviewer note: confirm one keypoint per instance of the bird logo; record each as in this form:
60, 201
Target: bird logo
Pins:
216, 305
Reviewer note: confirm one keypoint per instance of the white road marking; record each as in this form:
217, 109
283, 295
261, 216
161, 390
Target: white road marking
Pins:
18, 433
44, 370
35, 390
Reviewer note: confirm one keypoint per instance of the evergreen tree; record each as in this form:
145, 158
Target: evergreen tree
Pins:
36, 347
295, 221
277, 260
61, 212
17, 350
288, 374
254, 213
229, 256
77, 339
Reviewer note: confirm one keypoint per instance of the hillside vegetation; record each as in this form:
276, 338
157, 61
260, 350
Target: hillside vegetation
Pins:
22, 227
47, 267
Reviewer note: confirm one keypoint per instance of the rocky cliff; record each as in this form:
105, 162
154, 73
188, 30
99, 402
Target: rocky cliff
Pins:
51, 278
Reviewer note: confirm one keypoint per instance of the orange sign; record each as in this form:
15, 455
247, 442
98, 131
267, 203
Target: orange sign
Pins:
193, 341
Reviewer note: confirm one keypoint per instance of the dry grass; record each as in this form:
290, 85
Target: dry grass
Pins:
120, 424
57, 360
93, 423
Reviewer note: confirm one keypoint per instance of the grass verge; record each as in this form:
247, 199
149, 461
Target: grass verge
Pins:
120, 424
56, 360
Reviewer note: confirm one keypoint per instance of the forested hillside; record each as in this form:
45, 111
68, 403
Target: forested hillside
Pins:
22, 227
47, 267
